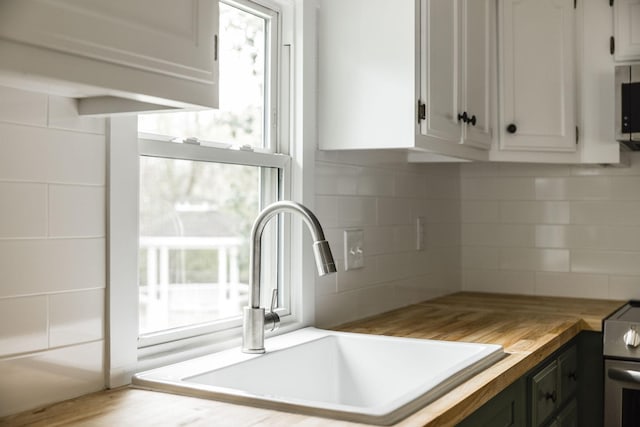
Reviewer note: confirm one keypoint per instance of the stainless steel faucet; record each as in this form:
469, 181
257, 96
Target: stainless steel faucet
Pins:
255, 318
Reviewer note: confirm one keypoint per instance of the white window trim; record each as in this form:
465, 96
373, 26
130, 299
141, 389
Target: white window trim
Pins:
123, 357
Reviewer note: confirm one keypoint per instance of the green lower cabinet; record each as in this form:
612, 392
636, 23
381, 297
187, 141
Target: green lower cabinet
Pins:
565, 390
507, 409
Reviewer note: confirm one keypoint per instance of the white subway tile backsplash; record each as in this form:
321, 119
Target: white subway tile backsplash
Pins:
410, 185
557, 212
377, 240
605, 262
21, 106
404, 238
589, 188
473, 211
442, 187
526, 259
76, 211
392, 211
605, 212
41, 266
508, 282
43, 144
76, 317
443, 235
578, 233
326, 209
480, 258
624, 287
24, 210
552, 236
572, 285
23, 325
625, 188
356, 211
358, 278
379, 182
51, 376
47, 155
531, 170
551, 189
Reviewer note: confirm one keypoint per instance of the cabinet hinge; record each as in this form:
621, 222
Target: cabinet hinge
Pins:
612, 45
422, 111
577, 134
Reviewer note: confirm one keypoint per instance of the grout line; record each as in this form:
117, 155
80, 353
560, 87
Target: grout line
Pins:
48, 210
49, 293
48, 321
41, 352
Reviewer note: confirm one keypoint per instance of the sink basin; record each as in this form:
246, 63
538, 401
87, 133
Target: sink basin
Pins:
356, 377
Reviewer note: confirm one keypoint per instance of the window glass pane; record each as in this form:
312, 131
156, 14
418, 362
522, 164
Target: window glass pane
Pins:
240, 119
195, 221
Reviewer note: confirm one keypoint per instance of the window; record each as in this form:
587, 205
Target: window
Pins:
204, 177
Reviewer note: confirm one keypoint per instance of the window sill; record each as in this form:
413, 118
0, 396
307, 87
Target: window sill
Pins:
177, 351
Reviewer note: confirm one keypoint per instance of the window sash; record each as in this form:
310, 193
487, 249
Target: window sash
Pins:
275, 175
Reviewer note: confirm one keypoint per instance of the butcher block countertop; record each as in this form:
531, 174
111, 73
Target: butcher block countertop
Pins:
529, 328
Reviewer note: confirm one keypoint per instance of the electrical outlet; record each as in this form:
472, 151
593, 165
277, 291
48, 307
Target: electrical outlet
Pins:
421, 234
353, 249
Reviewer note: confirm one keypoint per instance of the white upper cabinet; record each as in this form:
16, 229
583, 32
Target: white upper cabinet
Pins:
456, 83
626, 15
443, 78
391, 76
556, 82
116, 55
537, 75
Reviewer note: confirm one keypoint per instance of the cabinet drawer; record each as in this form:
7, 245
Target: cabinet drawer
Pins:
567, 374
544, 393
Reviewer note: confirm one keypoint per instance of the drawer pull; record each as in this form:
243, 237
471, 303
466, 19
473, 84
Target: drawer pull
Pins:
551, 396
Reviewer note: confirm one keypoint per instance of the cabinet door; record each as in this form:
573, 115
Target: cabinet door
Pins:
507, 409
477, 70
537, 59
568, 373
165, 36
544, 394
441, 69
626, 15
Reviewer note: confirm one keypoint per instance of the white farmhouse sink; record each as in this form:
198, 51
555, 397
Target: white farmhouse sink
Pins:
356, 377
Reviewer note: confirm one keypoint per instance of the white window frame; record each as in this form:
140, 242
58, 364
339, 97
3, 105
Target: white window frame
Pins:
162, 341
297, 59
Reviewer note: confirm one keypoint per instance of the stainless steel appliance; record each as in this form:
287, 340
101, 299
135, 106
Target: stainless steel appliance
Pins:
622, 367
628, 105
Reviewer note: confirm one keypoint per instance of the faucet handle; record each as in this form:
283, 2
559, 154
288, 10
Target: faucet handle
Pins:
271, 318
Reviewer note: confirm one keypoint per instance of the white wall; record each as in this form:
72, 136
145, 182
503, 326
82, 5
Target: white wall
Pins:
52, 250
551, 229
381, 194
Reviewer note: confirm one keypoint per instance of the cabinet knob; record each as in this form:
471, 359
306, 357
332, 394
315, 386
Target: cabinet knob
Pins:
464, 118
551, 396
573, 376
512, 128
472, 120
